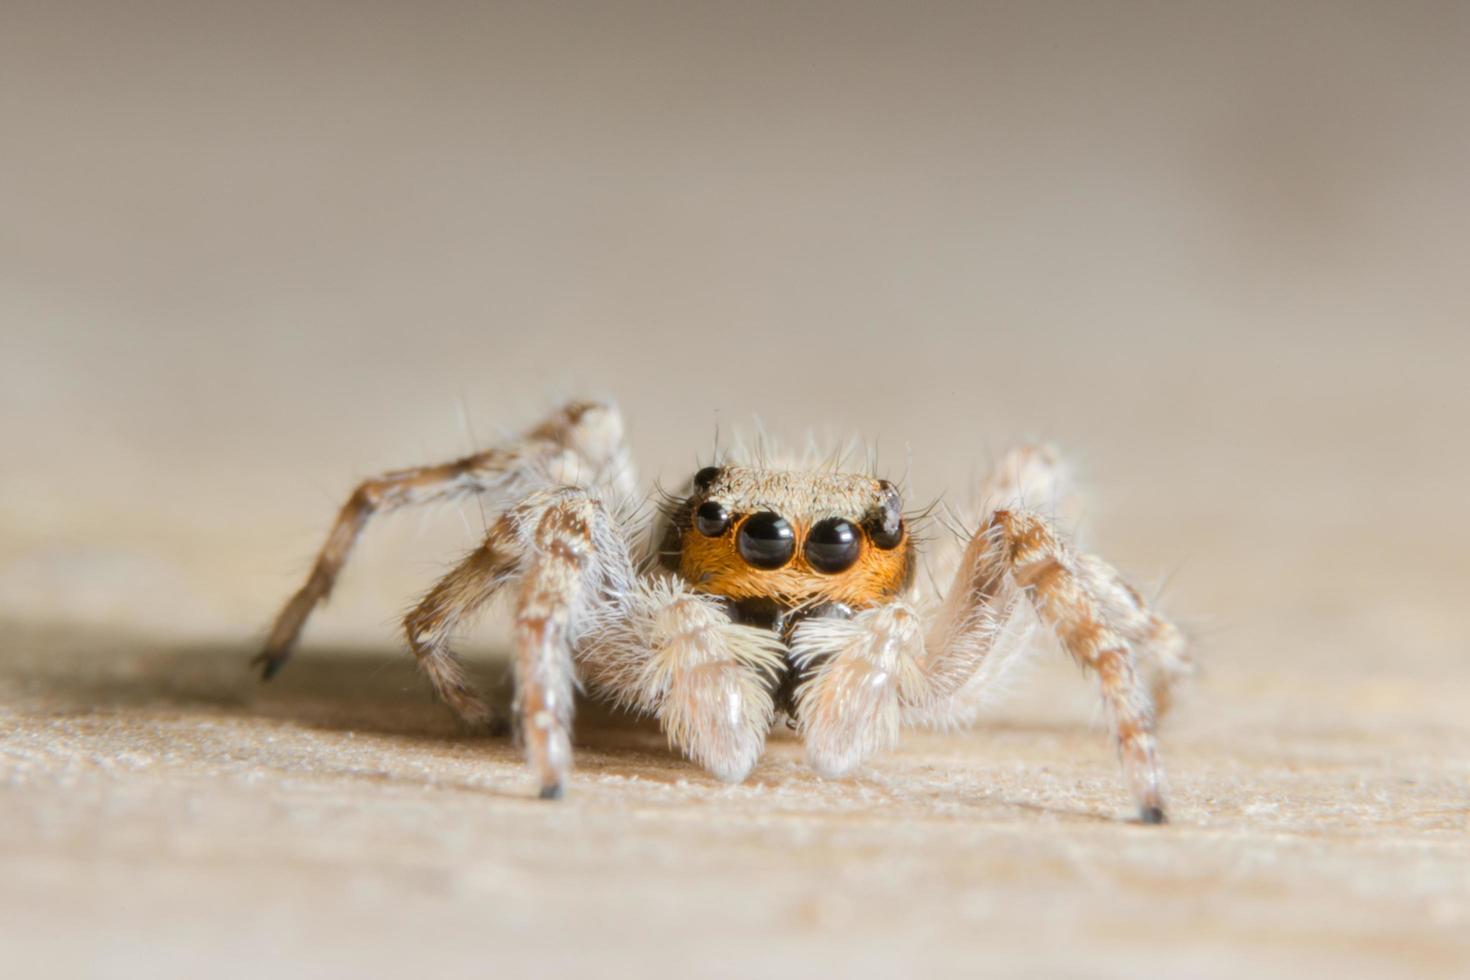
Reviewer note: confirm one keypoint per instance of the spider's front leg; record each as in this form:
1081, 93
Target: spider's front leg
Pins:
1100, 621
582, 444
869, 674
569, 557
560, 574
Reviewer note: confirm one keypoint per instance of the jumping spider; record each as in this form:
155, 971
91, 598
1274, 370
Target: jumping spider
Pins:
761, 591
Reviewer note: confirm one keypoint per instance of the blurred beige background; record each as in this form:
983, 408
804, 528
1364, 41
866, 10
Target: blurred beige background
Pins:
250, 253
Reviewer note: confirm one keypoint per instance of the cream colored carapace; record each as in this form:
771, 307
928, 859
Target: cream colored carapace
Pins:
763, 589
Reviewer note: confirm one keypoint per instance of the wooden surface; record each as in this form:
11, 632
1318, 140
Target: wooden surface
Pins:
164, 812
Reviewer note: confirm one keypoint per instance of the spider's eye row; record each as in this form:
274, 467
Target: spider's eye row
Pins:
885, 526
705, 477
833, 545
711, 519
766, 540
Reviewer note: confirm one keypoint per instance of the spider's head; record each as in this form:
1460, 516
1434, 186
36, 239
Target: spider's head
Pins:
796, 538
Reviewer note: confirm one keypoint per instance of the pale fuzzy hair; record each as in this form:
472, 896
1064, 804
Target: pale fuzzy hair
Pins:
815, 452
565, 539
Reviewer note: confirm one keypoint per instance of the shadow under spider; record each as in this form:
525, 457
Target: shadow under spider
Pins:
340, 689
66, 673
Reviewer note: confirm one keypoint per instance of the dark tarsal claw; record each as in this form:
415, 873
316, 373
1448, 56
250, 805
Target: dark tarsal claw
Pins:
270, 664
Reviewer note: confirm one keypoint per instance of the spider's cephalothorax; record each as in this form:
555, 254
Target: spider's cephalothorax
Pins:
775, 589
794, 539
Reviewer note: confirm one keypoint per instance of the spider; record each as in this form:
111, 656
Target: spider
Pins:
758, 592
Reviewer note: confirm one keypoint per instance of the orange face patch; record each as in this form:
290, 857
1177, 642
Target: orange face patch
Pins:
715, 565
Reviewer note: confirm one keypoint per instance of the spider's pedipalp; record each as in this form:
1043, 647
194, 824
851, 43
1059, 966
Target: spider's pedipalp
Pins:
667, 650
859, 673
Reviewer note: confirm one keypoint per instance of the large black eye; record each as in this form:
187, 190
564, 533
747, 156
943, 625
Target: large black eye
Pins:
766, 540
885, 526
832, 545
705, 477
711, 518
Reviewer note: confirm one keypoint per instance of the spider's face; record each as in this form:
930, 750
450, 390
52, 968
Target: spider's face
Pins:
750, 533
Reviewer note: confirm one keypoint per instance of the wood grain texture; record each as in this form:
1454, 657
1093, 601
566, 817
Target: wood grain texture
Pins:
164, 812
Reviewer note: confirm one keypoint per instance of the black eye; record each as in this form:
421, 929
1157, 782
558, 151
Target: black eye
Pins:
766, 540
885, 526
832, 545
705, 477
711, 518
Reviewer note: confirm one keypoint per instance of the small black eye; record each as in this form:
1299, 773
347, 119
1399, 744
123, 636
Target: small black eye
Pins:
766, 540
885, 526
705, 477
832, 545
711, 518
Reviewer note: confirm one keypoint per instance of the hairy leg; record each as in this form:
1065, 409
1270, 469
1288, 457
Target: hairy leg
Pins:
553, 595
1163, 655
1026, 477
569, 558
673, 653
1024, 547
581, 444
456, 597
